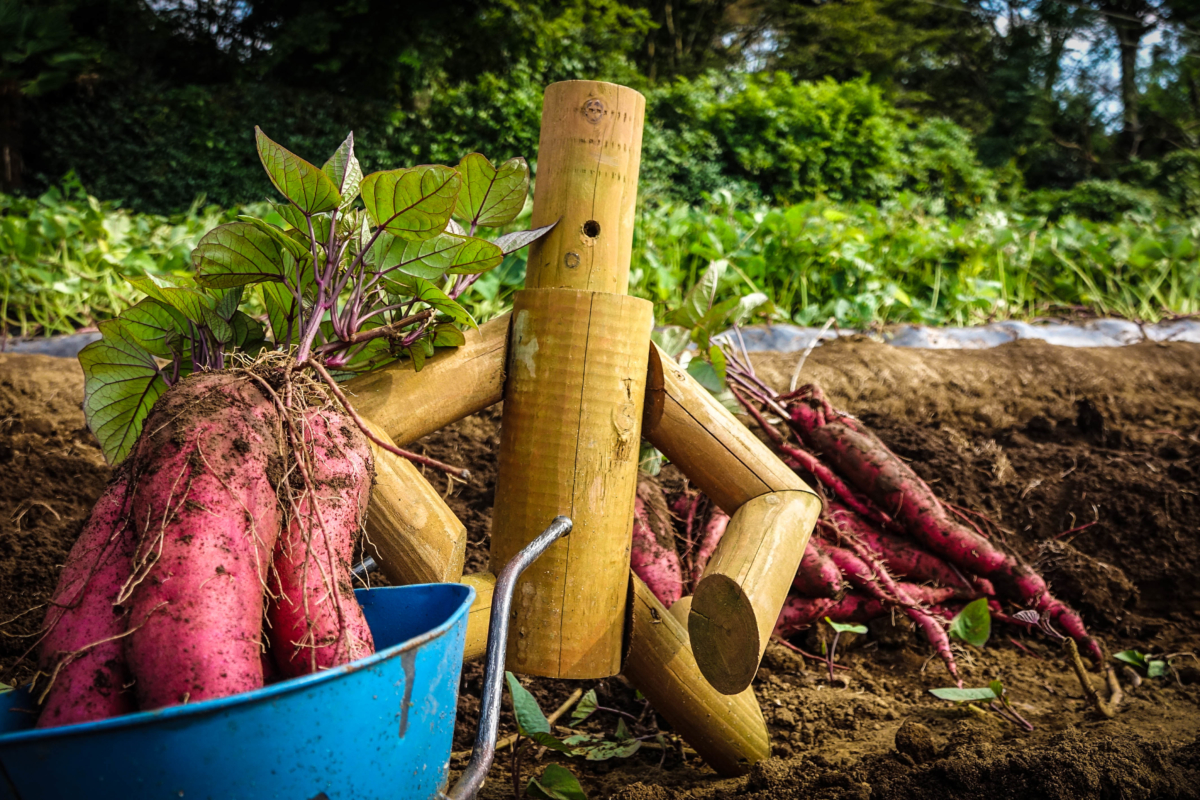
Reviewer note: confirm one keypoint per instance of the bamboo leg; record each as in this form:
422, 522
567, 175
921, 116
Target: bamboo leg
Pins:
745, 584
569, 445
723, 458
415, 535
480, 615
452, 385
728, 731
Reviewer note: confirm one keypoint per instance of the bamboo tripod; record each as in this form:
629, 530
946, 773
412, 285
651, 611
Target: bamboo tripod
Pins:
582, 384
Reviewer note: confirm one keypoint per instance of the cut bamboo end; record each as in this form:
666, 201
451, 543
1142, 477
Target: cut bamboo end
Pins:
453, 384
479, 616
588, 161
415, 536
569, 443
719, 454
681, 608
728, 731
739, 597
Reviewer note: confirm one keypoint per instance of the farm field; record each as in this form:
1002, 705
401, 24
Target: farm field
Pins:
1040, 439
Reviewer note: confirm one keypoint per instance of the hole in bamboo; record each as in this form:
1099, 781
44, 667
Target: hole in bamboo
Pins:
591, 229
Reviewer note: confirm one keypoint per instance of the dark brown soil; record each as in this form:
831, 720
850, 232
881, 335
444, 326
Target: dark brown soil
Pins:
1041, 440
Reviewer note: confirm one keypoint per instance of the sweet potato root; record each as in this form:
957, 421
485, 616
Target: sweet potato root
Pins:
817, 576
800, 612
316, 623
653, 555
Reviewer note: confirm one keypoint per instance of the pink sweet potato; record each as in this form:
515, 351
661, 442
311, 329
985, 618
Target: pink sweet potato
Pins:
653, 556
817, 576
205, 517
892, 485
710, 537
316, 622
800, 612
82, 649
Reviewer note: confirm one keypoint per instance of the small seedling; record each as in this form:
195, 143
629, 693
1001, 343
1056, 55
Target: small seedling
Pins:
1155, 668
5, 688
993, 694
557, 783
838, 629
973, 624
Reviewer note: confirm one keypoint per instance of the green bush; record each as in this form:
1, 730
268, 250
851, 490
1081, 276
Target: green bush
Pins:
1099, 201
939, 160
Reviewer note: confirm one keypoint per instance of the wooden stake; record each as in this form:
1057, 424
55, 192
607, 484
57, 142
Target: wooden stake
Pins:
681, 608
480, 616
727, 731
588, 160
718, 453
569, 445
452, 385
743, 588
415, 536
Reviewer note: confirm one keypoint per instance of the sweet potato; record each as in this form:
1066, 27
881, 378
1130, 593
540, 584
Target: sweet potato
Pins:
653, 556
817, 576
800, 612
82, 650
315, 620
710, 537
206, 518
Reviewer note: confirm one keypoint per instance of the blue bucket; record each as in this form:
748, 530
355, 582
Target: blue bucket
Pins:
379, 727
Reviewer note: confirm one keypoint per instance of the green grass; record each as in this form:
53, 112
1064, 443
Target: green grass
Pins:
63, 258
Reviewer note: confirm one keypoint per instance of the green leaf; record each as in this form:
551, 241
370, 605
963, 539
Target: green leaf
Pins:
221, 329
434, 297
433, 258
310, 189
177, 293
1156, 668
531, 722
228, 301
297, 246
343, 169
673, 339
704, 373
973, 624
292, 216
512, 242
121, 383
491, 197
603, 751
236, 254
1131, 657
699, 298
716, 357
448, 336
417, 354
997, 688
5, 688
746, 307
584, 708
557, 783
842, 627
248, 333
155, 326
622, 734
964, 695
411, 203
650, 460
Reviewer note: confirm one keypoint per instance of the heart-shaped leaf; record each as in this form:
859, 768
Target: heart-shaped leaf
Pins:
411, 203
297, 245
843, 627
248, 333
531, 722
964, 695
556, 783
584, 708
491, 197
512, 242
427, 293
238, 253
343, 169
310, 189
973, 624
177, 293
433, 258
155, 326
448, 336
122, 382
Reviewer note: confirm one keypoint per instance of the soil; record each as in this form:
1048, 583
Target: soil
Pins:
1087, 461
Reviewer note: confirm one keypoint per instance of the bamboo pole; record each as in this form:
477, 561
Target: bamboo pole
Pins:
738, 598
728, 731
588, 160
451, 385
569, 445
681, 608
722, 457
480, 616
415, 536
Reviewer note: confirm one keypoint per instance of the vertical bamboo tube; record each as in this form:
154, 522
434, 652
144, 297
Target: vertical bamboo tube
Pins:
727, 731
452, 385
480, 616
415, 536
707, 443
588, 160
745, 584
569, 445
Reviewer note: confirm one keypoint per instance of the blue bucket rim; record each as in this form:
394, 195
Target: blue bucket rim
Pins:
289, 686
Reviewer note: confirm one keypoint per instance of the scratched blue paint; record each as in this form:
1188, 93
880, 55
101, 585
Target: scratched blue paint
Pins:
379, 727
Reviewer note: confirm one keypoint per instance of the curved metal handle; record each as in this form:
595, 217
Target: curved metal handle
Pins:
471, 781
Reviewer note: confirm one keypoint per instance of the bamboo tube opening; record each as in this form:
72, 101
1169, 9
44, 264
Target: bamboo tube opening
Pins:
739, 597
728, 731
